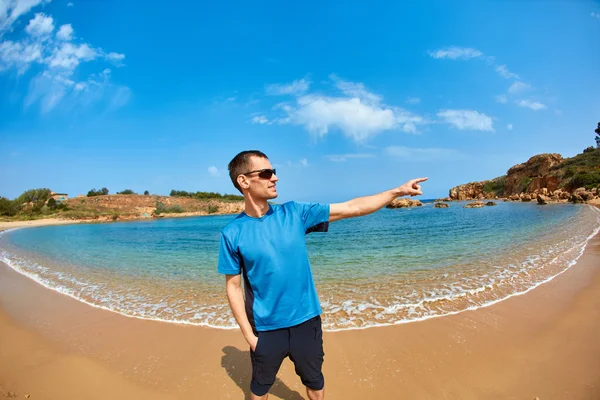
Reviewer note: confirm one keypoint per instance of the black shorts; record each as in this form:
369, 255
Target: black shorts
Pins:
302, 343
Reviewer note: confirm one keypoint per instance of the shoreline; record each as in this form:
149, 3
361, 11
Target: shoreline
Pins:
408, 320
5, 225
541, 343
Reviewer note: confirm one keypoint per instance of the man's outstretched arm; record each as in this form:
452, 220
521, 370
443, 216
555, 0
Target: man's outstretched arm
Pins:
366, 205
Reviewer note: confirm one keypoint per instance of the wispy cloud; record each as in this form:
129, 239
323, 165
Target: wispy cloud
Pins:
11, 10
509, 127
518, 87
295, 88
534, 105
214, 171
501, 98
260, 119
595, 15
70, 4
467, 120
423, 154
456, 53
464, 53
413, 100
346, 157
355, 90
58, 57
504, 72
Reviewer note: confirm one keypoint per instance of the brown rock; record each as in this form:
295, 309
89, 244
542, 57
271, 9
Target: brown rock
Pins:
490, 203
535, 168
441, 205
576, 198
403, 203
541, 199
475, 204
526, 197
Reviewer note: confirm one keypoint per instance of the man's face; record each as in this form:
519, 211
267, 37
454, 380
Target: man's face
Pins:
261, 188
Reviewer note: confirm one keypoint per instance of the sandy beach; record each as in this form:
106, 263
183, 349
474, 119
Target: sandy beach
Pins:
543, 343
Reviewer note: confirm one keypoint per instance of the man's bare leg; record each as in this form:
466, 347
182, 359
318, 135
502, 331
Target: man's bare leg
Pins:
315, 394
255, 397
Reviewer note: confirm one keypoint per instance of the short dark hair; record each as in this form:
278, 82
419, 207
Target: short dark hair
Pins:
241, 164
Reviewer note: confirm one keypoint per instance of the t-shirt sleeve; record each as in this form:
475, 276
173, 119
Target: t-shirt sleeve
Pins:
229, 258
315, 216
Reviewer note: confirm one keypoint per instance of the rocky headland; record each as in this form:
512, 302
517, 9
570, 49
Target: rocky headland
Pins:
545, 178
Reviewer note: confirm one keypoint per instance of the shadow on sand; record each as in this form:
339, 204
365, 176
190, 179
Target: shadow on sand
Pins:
237, 364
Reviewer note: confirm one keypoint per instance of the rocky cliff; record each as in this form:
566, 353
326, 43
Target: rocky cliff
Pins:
575, 179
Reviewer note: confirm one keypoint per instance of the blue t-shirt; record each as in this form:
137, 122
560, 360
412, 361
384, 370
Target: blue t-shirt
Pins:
270, 253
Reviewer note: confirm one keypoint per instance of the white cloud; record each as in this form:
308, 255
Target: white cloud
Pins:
65, 32
213, 171
58, 58
413, 100
355, 90
423, 154
69, 4
503, 71
19, 55
116, 58
455, 53
509, 127
357, 120
359, 114
48, 89
41, 25
304, 162
11, 10
501, 98
518, 87
295, 88
260, 119
595, 15
534, 105
68, 56
345, 157
467, 120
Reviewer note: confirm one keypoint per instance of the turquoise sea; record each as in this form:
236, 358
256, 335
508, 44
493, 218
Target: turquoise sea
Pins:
391, 267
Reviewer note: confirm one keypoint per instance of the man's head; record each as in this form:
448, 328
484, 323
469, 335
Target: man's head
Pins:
251, 173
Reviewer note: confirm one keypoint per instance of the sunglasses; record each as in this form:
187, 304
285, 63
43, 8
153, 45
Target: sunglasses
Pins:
263, 173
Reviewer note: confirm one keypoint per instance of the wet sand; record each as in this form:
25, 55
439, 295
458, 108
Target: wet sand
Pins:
543, 343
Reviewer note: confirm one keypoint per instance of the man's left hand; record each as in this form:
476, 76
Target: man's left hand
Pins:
412, 187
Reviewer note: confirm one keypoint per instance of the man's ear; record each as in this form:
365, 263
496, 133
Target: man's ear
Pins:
242, 180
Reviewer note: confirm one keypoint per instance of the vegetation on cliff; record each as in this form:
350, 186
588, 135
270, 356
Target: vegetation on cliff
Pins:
39, 203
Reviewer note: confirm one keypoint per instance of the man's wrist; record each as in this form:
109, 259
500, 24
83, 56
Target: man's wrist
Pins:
398, 192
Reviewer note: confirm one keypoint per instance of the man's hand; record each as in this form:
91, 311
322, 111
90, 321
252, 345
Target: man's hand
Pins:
411, 188
252, 341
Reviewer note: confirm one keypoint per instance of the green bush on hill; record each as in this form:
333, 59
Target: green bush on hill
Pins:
496, 185
126, 191
8, 208
588, 180
205, 195
101, 192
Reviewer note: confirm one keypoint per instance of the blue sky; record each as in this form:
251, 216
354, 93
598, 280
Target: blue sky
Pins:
346, 98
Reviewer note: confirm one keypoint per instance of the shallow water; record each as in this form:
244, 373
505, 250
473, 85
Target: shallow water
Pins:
390, 267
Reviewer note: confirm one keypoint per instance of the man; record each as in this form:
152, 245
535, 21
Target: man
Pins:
280, 313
